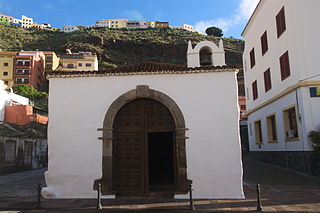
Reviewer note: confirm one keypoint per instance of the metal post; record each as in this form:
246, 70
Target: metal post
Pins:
259, 206
191, 206
39, 196
99, 206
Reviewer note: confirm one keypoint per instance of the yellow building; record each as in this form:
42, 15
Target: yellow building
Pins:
118, 23
9, 18
151, 24
82, 61
7, 61
35, 25
52, 61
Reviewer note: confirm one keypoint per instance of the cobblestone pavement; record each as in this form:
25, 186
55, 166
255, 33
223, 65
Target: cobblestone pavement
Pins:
282, 191
22, 184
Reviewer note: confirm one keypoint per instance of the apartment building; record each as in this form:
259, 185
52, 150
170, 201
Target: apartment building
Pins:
187, 27
91, 26
162, 24
81, 61
46, 25
183, 27
118, 23
35, 25
26, 22
151, 24
7, 64
112, 23
51, 60
4, 17
4, 21
69, 28
16, 22
29, 69
102, 23
136, 25
282, 80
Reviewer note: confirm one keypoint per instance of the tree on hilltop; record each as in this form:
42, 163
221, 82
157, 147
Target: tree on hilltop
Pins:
215, 31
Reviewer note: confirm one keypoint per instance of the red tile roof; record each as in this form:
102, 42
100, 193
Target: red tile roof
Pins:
145, 68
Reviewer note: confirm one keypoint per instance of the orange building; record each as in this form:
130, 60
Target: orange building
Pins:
29, 69
242, 105
23, 114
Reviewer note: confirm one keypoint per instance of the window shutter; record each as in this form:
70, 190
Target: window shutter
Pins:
252, 58
285, 66
264, 43
267, 80
254, 90
281, 22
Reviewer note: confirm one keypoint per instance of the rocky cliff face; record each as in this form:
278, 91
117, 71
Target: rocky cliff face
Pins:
117, 47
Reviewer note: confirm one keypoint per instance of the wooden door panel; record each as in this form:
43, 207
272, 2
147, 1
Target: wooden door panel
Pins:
129, 165
159, 117
28, 148
130, 118
131, 127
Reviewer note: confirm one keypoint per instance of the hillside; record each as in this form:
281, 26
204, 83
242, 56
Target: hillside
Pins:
117, 47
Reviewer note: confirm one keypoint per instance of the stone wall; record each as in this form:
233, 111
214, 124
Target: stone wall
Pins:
299, 161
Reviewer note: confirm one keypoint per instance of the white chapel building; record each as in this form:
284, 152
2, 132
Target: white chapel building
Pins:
146, 130
282, 79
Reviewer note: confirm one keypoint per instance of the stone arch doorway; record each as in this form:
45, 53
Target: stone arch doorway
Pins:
143, 146
205, 56
129, 121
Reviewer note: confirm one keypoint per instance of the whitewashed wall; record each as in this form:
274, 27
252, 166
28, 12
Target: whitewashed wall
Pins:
264, 19
217, 57
7, 97
210, 107
298, 39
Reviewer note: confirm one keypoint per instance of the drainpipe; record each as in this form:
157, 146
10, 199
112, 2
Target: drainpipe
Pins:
302, 136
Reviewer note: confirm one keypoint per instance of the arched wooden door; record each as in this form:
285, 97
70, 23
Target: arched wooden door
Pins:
143, 149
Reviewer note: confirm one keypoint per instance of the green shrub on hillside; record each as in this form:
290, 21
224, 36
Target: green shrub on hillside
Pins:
117, 46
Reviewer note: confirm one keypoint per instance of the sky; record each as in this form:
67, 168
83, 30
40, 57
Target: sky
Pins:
229, 15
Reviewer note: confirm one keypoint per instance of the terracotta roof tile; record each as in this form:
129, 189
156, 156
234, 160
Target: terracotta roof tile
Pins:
30, 130
145, 68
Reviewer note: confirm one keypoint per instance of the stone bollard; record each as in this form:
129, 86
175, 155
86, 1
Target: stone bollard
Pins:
99, 206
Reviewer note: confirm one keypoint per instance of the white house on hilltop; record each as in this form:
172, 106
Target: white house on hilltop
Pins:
144, 130
69, 28
282, 80
26, 22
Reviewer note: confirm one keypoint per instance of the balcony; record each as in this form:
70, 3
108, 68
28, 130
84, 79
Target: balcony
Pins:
22, 80
23, 63
22, 72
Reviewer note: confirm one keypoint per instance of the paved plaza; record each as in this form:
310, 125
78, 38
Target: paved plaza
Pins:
282, 191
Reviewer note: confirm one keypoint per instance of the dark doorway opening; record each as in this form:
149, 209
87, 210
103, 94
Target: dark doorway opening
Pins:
161, 161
